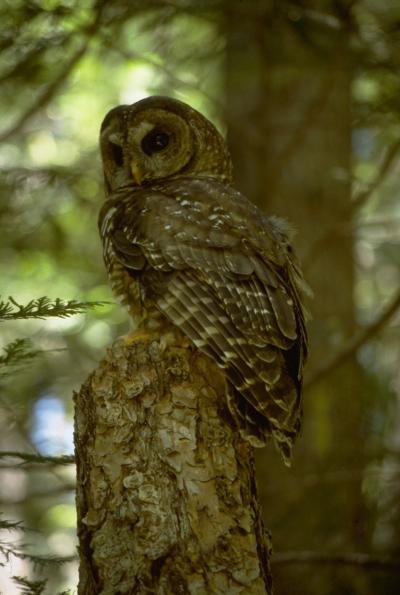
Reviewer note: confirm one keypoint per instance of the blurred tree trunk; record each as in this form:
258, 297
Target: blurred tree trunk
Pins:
288, 80
166, 492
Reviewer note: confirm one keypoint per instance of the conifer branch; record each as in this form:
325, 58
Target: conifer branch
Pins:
8, 550
41, 561
43, 307
16, 353
7, 525
29, 587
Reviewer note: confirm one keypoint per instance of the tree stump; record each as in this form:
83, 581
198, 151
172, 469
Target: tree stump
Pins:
166, 490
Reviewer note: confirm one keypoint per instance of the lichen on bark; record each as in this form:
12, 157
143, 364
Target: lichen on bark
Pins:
166, 492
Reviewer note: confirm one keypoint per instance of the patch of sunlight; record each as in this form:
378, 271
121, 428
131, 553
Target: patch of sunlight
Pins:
52, 428
61, 543
61, 515
42, 148
98, 334
365, 172
140, 80
365, 254
37, 265
365, 89
365, 294
363, 141
63, 325
10, 154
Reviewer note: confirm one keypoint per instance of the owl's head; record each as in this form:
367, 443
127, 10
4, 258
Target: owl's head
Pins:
159, 137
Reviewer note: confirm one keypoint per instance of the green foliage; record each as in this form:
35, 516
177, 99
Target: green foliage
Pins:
64, 63
43, 307
20, 351
29, 587
6, 525
15, 354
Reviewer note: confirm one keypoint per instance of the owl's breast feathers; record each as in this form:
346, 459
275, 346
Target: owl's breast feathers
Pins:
225, 275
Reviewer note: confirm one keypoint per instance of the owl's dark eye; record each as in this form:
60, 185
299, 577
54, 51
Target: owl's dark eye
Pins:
155, 141
117, 154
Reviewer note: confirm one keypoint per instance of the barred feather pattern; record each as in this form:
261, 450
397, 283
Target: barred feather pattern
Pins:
198, 252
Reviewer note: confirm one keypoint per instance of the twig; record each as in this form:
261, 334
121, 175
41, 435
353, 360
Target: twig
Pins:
364, 560
341, 227
354, 344
9, 549
48, 92
26, 457
46, 95
170, 75
34, 54
361, 198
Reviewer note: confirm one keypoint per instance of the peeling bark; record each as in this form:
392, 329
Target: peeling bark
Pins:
166, 491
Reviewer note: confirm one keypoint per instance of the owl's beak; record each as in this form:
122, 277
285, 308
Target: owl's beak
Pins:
136, 172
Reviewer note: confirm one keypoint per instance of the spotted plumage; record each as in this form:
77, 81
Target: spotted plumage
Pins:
181, 242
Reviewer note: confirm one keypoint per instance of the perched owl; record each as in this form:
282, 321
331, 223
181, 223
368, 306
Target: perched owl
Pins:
181, 243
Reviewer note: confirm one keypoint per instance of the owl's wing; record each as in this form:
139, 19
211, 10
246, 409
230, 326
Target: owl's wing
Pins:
222, 273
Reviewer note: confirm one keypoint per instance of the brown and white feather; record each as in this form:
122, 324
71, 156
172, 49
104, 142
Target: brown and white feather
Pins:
191, 247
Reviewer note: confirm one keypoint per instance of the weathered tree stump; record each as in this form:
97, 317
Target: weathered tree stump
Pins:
166, 490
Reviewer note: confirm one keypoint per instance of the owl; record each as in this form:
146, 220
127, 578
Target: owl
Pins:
181, 244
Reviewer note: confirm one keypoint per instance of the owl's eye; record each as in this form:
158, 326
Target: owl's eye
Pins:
154, 142
117, 154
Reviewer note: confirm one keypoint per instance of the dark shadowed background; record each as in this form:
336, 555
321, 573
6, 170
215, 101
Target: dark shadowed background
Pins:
307, 93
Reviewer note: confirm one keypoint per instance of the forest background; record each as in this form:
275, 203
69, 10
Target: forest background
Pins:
307, 93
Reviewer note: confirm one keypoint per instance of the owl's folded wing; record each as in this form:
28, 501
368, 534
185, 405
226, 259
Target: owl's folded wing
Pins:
229, 286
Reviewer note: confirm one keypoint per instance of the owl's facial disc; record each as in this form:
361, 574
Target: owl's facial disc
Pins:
160, 143
156, 138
